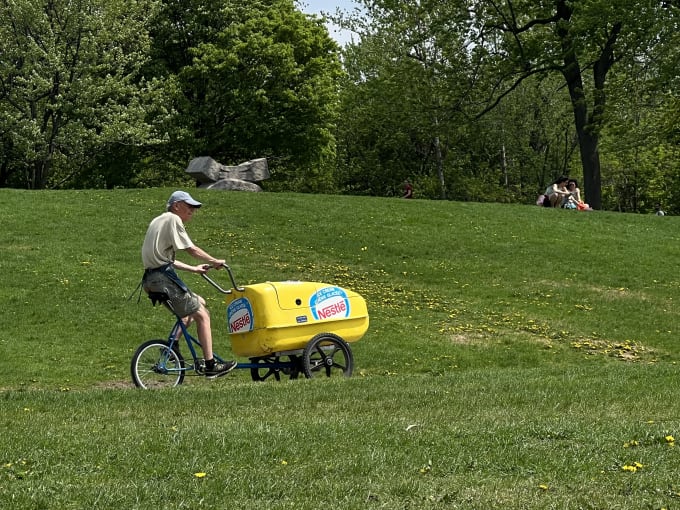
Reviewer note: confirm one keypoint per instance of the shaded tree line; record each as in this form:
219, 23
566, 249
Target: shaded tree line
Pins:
485, 100
104, 93
492, 99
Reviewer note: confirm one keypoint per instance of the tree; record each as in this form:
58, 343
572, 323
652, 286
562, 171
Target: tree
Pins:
640, 154
256, 79
529, 137
513, 47
411, 109
525, 38
70, 86
401, 102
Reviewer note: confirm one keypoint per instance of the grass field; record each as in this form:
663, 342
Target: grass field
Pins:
517, 357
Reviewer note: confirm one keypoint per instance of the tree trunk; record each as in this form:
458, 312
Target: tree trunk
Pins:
440, 167
590, 160
36, 175
587, 125
587, 136
504, 167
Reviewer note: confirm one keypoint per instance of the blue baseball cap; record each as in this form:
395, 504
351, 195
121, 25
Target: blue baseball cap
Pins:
182, 196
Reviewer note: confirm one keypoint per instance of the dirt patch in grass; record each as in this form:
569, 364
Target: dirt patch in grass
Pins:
114, 385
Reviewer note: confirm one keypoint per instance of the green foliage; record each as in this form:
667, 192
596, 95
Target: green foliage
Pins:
641, 158
395, 107
71, 87
125, 93
261, 83
401, 99
506, 62
467, 104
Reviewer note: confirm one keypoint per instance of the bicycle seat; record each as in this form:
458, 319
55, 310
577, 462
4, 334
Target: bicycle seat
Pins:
158, 297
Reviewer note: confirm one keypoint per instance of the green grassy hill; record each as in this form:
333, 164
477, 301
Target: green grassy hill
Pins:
517, 356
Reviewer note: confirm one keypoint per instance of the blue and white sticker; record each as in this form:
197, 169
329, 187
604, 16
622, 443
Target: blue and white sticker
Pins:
329, 303
240, 316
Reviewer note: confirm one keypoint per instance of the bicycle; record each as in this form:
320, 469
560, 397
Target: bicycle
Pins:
282, 327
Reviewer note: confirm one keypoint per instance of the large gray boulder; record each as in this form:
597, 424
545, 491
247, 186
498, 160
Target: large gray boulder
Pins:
232, 185
206, 170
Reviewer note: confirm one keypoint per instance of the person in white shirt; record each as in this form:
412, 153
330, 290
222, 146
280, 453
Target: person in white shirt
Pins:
557, 191
164, 237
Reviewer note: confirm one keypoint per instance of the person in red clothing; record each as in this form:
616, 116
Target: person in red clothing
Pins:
408, 190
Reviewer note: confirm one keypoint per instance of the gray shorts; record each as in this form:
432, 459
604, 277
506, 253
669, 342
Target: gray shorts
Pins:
183, 302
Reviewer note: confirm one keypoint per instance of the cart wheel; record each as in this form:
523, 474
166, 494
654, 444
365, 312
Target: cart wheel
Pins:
154, 365
327, 354
264, 372
296, 368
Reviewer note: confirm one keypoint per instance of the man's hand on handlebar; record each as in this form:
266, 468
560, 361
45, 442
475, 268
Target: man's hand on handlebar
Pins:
217, 263
202, 268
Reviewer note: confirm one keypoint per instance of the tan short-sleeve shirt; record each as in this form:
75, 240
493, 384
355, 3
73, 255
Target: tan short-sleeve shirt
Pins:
165, 235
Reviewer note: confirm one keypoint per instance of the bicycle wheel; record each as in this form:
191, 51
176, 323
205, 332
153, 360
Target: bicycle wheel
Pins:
154, 365
327, 354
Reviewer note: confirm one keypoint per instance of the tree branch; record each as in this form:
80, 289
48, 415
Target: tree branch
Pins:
517, 83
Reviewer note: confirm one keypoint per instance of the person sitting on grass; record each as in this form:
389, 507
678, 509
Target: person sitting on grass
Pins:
556, 192
408, 190
574, 200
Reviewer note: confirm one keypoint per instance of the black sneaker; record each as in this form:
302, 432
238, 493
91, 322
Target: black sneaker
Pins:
219, 369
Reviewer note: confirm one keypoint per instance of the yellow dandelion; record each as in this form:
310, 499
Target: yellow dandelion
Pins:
631, 469
669, 439
284, 462
543, 487
199, 475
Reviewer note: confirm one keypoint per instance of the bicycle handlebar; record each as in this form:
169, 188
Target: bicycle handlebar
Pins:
217, 286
